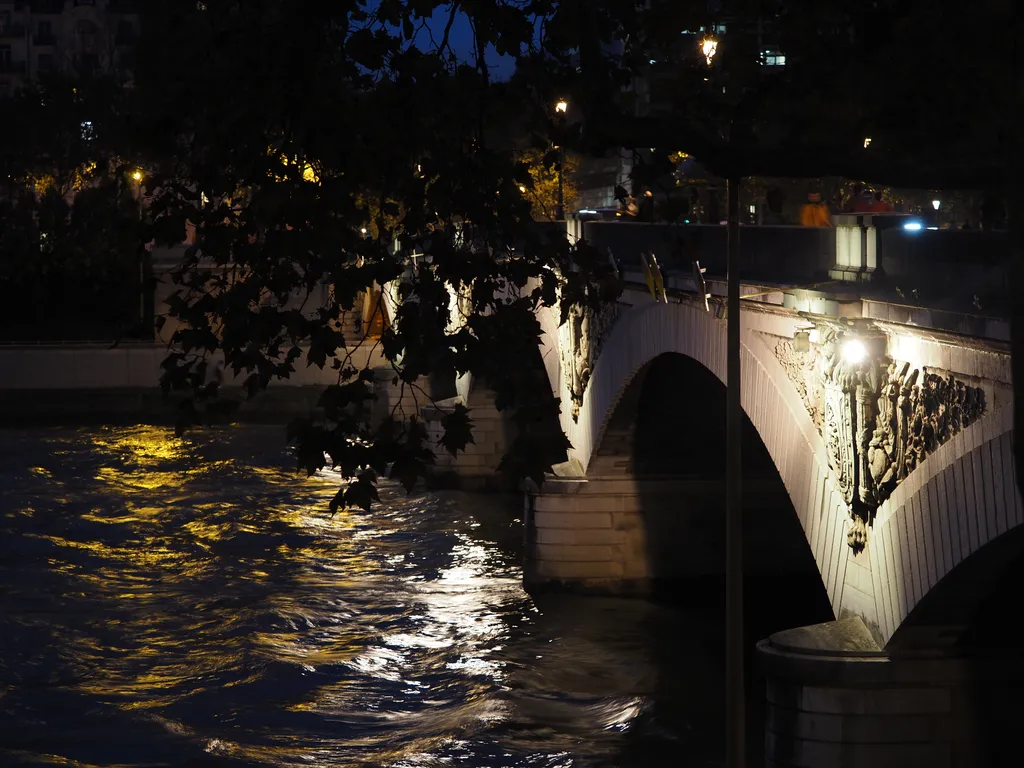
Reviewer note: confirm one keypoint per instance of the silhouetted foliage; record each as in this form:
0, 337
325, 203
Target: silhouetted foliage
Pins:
283, 130
70, 270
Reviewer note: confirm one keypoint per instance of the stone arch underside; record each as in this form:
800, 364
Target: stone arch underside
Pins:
961, 498
646, 331
955, 502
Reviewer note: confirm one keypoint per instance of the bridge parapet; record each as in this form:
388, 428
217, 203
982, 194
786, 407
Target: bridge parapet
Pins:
875, 255
854, 411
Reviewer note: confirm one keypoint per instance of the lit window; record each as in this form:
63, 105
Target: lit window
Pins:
88, 132
773, 59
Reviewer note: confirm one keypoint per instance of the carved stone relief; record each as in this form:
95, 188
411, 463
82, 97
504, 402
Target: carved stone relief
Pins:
918, 411
879, 419
803, 369
580, 339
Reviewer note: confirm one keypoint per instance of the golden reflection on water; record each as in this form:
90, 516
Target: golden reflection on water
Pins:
196, 574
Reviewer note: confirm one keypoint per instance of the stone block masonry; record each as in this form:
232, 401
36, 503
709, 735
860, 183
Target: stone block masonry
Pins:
835, 699
622, 535
478, 466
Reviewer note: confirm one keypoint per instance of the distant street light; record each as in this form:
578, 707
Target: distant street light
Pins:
709, 47
936, 204
867, 142
562, 109
137, 175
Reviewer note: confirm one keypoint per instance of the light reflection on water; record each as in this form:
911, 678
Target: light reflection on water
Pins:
190, 602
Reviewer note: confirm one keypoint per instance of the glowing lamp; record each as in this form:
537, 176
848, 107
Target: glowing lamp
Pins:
709, 47
854, 352
562, 106
936, 204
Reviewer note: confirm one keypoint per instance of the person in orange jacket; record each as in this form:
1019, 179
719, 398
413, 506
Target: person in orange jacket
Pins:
814, 212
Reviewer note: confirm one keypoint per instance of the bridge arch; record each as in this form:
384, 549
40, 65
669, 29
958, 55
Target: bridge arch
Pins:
647, 331
943, 540
958, 501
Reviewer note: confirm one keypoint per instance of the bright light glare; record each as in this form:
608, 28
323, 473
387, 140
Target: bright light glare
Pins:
867, 142
854, 351
137, 175
363, 230
709, 47
522, 188
912, 226
562, 106
936, 204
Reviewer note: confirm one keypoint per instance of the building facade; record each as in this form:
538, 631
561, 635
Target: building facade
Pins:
76, 36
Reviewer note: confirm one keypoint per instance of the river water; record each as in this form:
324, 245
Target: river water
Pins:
191, 602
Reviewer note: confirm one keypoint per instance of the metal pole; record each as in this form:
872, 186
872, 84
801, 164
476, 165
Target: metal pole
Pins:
561, 162
735, 694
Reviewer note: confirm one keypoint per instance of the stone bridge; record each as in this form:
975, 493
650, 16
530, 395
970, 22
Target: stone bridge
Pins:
877, 453
882, 429
892, 443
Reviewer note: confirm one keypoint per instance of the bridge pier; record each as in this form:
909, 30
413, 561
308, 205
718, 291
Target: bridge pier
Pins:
622, 534
834, 698
476, 468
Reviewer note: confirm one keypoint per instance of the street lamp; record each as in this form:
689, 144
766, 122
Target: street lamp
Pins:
561, 108
709, 47
854, 352
936, 204
137, 175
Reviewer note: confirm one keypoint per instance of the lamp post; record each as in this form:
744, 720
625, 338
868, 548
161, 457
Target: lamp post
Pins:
561, 108
137, 176
735, 687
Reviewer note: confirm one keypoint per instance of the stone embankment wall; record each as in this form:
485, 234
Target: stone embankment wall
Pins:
86, 384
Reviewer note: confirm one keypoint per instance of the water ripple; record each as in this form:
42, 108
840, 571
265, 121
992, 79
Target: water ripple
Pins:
189, 602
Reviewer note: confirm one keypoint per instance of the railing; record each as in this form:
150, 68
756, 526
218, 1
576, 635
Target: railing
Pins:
775, 254
122, 6
944, 269
47, 6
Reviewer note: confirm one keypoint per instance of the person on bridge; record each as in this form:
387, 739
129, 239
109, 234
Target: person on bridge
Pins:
851, 204
645, 210
878, 205
864, 202
814, 212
